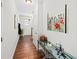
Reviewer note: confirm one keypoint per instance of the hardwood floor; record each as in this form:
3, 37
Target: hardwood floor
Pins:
26, 49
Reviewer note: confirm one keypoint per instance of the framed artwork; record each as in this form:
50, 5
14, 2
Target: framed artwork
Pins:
57, 18
15, 21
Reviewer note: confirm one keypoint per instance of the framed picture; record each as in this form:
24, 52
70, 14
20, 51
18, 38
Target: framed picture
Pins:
15, 21
56, 16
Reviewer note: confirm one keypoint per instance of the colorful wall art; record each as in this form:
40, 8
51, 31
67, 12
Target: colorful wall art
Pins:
56, 23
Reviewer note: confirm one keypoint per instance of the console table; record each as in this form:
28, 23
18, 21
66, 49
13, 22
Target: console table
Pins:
49, 48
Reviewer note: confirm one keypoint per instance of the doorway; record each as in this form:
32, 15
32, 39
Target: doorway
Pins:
26, 23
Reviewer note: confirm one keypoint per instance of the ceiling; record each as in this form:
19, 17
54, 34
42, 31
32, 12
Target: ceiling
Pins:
23, 7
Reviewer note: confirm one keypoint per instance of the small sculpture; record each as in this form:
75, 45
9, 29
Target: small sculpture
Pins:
43, 38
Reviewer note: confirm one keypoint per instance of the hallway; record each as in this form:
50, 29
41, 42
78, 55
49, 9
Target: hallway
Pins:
33, 19
25, 49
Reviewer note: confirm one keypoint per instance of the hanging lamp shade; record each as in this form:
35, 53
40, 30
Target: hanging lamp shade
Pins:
28, 1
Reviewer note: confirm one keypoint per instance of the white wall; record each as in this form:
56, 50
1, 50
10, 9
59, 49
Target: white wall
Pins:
67, 40
8, 33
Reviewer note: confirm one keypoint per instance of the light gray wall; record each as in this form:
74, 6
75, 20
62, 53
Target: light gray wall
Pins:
68, 40
8, 33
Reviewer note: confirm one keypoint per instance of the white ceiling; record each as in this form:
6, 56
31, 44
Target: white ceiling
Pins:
23, 7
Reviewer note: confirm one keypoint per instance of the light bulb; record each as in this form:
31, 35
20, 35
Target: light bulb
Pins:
28, 1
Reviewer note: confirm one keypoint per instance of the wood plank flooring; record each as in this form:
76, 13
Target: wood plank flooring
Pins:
26, 49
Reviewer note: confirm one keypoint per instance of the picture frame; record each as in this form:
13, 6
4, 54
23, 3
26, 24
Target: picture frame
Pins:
57, 19
15, 21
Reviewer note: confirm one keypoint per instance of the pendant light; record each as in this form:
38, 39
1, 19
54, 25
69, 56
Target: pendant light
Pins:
28, 1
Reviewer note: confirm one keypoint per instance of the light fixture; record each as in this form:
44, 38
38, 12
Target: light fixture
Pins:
28, 1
